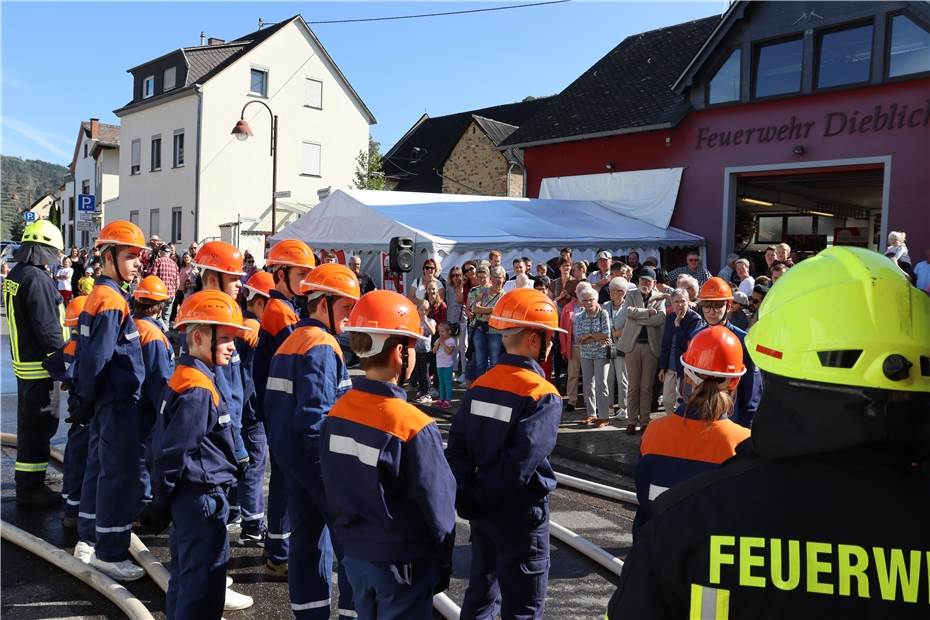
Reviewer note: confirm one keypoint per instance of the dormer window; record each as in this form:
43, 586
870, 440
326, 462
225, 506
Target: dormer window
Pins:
258, 83
416, 154
170, 78
148, 87
845, 56
778, 68
725, 84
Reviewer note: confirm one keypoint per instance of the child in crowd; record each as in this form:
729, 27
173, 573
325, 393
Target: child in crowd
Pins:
195, 460
421, 369
86, 283
444, 350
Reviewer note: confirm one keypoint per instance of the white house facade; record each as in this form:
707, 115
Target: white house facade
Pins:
85, 178
185, 177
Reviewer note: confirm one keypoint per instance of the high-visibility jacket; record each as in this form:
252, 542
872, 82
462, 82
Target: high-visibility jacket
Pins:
501, 438
110, 366
387, 482
306, 376
35, 317
278, 322
158, 359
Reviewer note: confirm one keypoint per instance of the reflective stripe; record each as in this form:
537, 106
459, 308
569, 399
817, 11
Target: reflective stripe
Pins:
161, 409
490, 410
284, 536
246, 517
132, 335
67, 365
313, 605
709, 603
345, 383
87, 515
235, 358
340, 444
224, 419
655, 491
31, 467
119, 528
73, 502
85, 331
348, 613
280, 385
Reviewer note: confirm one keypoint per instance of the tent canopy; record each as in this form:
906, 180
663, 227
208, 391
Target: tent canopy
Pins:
461, 227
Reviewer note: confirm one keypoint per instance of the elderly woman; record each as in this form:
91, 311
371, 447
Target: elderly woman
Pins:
487, 340
592, 333
690, 285
680, 321
616, 375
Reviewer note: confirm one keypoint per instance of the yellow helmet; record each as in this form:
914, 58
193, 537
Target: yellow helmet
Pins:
847, 316
44, 232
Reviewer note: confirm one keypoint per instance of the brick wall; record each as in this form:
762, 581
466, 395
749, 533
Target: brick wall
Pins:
479, 167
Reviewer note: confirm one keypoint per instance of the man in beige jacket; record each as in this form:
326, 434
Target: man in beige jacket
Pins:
641, 342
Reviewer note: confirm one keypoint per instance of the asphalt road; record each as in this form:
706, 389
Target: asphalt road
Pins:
578, 588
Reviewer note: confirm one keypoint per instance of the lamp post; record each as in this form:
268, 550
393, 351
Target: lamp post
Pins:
242, 131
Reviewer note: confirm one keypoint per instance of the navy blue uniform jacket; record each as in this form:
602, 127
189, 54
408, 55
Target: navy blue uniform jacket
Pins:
387, 482
502, 436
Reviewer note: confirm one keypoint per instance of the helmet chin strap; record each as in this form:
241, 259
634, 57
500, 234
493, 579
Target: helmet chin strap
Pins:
112, 250
404, 365
329, 312
287, 280
213, 344
543, 342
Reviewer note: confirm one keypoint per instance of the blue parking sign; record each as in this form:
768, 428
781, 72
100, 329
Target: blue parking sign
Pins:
86, 202
29, 216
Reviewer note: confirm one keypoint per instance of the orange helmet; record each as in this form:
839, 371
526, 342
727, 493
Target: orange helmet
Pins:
291, 253
525, 308
333, 279
210, 308
714, 352
74, 310
260, 283
715, 289
151, 288
220, 256
121, 232
383, 314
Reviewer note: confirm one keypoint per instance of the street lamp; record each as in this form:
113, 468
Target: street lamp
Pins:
242, 131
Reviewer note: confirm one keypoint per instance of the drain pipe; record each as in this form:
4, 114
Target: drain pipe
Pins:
445, 607
596, 488
586, 548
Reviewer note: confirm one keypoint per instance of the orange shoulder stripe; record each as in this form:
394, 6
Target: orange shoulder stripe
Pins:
695, 440
519, 381
278, 315
302, 340
149, 333
187, 378
389, 415
103, 298
251, 337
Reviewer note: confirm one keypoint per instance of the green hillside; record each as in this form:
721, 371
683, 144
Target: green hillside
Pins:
21, 182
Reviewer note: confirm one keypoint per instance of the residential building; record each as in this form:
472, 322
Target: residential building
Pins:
803, 122
84, 178
185, 177
459, 154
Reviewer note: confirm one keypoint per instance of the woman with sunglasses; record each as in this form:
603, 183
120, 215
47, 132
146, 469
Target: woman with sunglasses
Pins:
699, 436
430, 274
455, 315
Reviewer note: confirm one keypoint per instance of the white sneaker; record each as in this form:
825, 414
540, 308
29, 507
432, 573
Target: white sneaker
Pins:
83, 551
229, 581
120, 571
236, 601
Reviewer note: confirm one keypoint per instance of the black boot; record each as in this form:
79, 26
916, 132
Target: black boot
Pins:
37, 495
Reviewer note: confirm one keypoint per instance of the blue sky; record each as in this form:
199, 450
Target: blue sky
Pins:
64, 62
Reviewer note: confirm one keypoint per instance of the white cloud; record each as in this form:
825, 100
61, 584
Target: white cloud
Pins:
52, 144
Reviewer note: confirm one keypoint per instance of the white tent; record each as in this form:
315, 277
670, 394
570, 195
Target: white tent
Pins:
454, 228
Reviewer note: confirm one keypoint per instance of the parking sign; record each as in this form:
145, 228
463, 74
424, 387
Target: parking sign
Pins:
87, 202
29, 216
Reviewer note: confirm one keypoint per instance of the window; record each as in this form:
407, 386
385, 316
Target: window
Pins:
845, 56
153, 222
313, 93
799, 225
259, 82
176, 225
135, 166
178, 148
156, 153
71, 208
770, 229
725, 84
910, 48
134, 217
85, 186
778, 68
148, 87
169, 79
85, 150
311, 165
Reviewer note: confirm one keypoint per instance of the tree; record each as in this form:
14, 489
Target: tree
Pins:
369, 171
17, 226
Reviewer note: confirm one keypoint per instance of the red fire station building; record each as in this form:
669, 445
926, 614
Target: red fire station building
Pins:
805, 122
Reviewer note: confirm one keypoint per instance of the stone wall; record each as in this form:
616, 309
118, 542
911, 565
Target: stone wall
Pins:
476, 166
